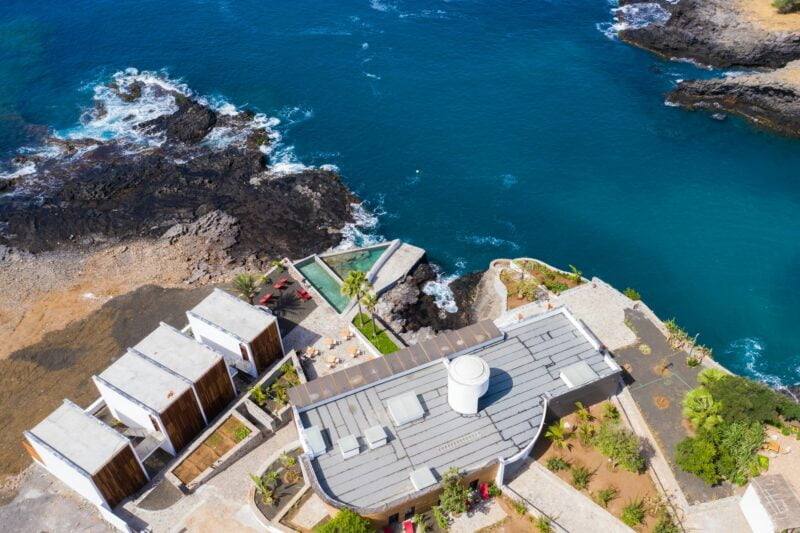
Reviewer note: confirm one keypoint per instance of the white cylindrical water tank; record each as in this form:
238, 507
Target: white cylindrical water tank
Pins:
467, 381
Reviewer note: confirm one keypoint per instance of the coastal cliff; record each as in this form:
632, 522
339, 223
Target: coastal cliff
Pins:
736, 34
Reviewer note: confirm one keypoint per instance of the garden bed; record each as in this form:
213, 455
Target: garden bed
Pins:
620, 487
381, 340
220, 442
278, 484
274, 398
292, 514
527, 280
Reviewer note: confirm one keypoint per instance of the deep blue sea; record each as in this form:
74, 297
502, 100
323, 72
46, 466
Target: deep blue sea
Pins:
476, 130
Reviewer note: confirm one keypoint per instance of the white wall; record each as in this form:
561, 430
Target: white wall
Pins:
754, 512
73, 478
226, 344
131, 414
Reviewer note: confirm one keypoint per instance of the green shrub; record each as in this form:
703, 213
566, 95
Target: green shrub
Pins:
710, 375
700, 409
692, 361
494, 490
556, 287
258, 396
241, 433
786, 6
604, 496
632, 294
544, 525
527, 289
763, 462
737, 444
419, 521
666, 524
745, 400
621, 445
346, 521
610, 411
520, 508
455, 493
581, 476
698, 456
634, 513
556, 464
442, 522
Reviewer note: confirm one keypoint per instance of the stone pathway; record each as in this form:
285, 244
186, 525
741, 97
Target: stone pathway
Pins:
572, 510
483, 515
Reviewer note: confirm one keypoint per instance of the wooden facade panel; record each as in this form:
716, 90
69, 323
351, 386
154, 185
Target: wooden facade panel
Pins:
267, 347
183, 420
31, 450
215, 390
120, 478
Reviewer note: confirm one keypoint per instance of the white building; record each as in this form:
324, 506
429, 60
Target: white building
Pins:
771, 505
246, 335
87, 455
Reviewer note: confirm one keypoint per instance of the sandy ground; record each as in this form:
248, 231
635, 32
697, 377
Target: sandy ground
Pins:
762, 14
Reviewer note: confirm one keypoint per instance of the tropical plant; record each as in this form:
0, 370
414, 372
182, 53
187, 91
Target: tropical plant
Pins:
258, 395
632, 294
279, 393
583, 412
346, 521
556, 287
610, 411
262, 488
634, 513
419, 521
585, 434
494, 490
271, 477
692, 361
700, 409
544, 525
556, 464
737, 444
576, 274
527, 288
604, 496
455, 494
246, 286
287, 460
710, 375
581, 476
442, 522
241, 433
620, 445
558, 435
354, 286
370, 303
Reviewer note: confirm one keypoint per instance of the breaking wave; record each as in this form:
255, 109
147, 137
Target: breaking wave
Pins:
361, 232
633, 17
749, 352
440, 289
488, 240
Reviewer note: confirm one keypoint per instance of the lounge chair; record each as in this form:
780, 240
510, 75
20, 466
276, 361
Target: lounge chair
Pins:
283, 281
408, 526
484, 491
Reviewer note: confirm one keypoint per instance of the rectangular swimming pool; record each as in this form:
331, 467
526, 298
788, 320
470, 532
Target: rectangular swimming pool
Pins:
324, 283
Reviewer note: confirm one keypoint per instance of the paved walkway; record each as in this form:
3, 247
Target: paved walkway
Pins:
483, 515
221, 504
572, 510
721, 516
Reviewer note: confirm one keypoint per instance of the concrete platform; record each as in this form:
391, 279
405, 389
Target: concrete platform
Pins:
397, 266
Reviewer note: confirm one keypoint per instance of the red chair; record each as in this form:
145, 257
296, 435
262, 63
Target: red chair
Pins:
266, 298
408, 526
283, 281
484, 491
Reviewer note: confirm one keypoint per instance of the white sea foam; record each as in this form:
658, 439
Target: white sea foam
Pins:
383, 7
489, 240
633, 17
364, 46
361, 232
373, 76
440, 289
509, 180
750, 351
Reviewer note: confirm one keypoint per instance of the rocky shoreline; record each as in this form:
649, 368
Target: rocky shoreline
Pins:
746, 34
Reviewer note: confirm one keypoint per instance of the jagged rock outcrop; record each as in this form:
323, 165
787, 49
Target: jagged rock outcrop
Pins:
770, 100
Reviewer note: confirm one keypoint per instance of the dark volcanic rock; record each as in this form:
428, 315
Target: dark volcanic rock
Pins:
409, 309
111, 190
713, 33
770, 100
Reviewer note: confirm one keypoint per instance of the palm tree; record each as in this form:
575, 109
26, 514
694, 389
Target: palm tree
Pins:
262, 488
557, 433
246, 286
370, 302
700, 409
583, 413
354, 286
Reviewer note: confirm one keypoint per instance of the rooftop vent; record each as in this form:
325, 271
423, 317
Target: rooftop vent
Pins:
578, 374
349, 446
375, 437
405, 408
313, 441
422, 478
467, 381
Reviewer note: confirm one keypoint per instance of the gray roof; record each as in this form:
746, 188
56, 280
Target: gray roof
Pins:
779, 499
144, 381
525, 368
80, 437
233, 315
178, 352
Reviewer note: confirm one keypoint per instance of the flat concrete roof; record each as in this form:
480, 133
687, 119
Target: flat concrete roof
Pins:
397, 266
525, 369
144, 381
232, 314
178, 352
80, 437
779, 499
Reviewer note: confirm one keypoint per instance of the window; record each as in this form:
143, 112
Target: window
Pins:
245, 353
408, 514
394, 518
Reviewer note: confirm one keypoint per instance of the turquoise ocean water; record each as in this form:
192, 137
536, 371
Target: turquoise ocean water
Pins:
475, 130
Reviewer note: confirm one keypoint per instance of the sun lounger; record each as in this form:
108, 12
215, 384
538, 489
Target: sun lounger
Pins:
484, 491
266, 298
283, 281
330, 343
408, 526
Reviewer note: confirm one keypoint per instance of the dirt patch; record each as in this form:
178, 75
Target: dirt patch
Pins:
662, 402
34, 380
762, 14
215, 446
630, 486
514, 523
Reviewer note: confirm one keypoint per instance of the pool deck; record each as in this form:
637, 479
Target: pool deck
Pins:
397, 266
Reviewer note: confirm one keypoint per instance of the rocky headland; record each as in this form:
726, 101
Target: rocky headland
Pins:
748, 34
